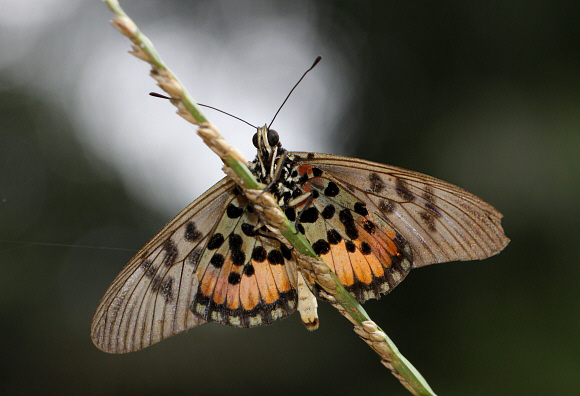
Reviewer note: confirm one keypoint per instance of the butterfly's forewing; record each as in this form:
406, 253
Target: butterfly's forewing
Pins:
440, 221
150, 299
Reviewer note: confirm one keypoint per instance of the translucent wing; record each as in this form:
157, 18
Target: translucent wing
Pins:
441, 222
150, 299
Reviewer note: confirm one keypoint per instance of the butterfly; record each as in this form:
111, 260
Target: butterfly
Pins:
217, 261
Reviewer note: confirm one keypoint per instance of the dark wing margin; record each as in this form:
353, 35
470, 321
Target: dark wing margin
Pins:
149, 300
441, 221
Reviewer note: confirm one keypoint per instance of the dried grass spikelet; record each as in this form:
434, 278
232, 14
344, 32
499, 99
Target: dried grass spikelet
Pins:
215, 141
167, 82
182, 112
126, 26
138, 52
266, 205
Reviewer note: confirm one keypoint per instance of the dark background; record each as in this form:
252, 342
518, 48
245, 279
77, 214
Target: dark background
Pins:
483, 94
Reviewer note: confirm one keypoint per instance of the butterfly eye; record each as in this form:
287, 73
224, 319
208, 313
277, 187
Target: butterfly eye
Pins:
255, 140
273, 137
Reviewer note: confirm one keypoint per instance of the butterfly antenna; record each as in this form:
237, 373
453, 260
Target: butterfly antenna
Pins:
158, 95
318, 58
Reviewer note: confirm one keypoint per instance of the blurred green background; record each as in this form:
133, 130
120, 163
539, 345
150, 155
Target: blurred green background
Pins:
482, 94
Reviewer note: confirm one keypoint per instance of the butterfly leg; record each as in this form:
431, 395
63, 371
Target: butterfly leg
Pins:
275, 172
298, 201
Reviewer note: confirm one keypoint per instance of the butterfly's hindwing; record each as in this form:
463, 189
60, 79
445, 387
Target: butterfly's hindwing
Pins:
149, 300
368, 256
246, 278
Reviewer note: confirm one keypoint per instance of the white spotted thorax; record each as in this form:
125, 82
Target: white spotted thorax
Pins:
217, 261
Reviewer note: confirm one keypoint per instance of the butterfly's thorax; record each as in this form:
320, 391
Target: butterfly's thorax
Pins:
276, 168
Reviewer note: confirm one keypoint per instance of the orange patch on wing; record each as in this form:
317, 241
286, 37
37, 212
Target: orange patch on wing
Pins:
281, 278
339, 262
360, 265
376, 265
249, 292
381, 242
381, 249
221, 287
208, 280
266, 282
233, 298
391, 234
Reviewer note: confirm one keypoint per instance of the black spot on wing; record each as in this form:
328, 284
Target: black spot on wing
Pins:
428, 195
333, 237
316, 172
377, 184
310, 215
275, 257
369, 226
286, 251
191, 232
170, 253
321, 247
432, 210
235, 242
430, 202
215, 241
346, 219
234, 278
365, 248
259, 254
297, 192
166, 290
386, 206
290, 213
238, 257
149, 268
331, 190
217, 260
361, 208
403, 190
234, 212
328, 212
428, 220
248, 270
248, 229
350, 246
156, 284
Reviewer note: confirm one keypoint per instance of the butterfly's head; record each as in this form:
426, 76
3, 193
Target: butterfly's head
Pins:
270, 152
267, 141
